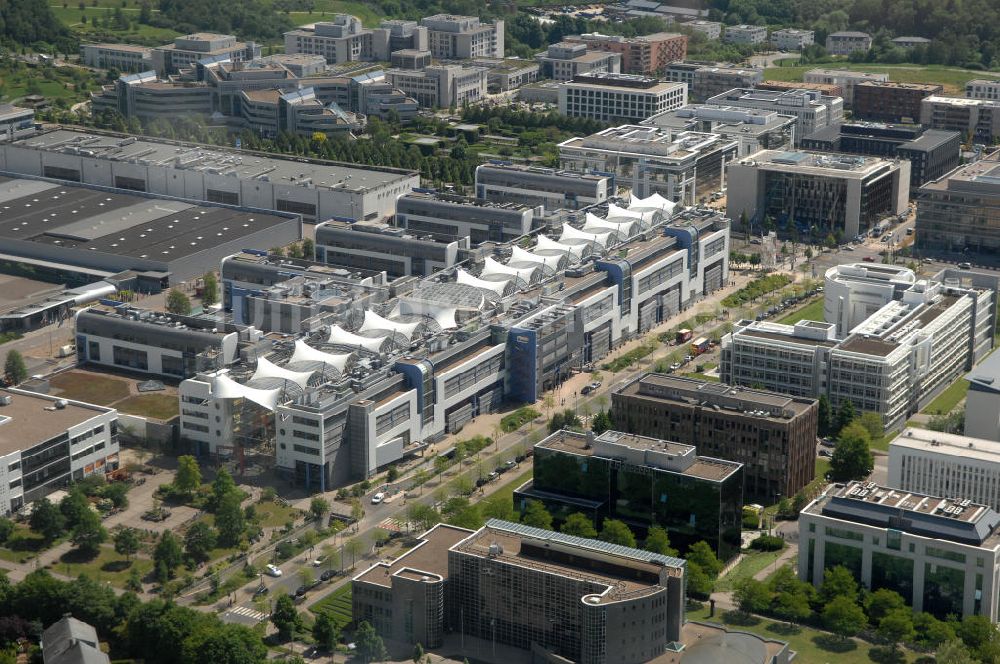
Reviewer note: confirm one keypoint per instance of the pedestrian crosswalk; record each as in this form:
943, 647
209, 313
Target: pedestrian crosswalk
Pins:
246, 612
393, 525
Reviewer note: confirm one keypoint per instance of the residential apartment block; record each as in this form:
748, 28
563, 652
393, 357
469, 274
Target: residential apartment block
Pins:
441, 86
846, 79
981, 88
745, 34
614, 475
978, 120
792, 39
945, 464
125, 58
812, 110
492, 589
847, 42
851, 194
566, 60
46, 443
890, 101
711, 29
552, 189
960, 212
621, 97
648, 55
682, 166
463, 37
942, 555
910, 42
772, 435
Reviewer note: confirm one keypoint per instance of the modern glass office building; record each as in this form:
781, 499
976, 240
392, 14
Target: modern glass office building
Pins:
642, 481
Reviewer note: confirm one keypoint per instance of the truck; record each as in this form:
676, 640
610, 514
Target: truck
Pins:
67, 350
699, 345
683, 335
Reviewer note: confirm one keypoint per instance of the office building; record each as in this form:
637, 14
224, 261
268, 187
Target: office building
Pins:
960, 212
126, 58
16, 122
441, 86
566, 60
491, 591
508, 73
893, 363
90, 233
946, 464
784, 86
449, 216
771, 434
983, 88
940, 554
792, 39
978, 120
548, 188
270, 112
389, 249
711, 29
410, 59
405, 35
315, 189
71, 641
890, 101
463, 37
46, 443
812, 110
341, 40
705, 79
618, 97
299, 64
847, 42
833, 192
910, 42
932, 153
161, 344
982, 402
27, 304
681, 166
745, 34
648, 55
752, 129
383, 100
189, 49
613, 476
846, 79
852, 292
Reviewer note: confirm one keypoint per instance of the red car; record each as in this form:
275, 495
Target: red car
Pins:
868, 259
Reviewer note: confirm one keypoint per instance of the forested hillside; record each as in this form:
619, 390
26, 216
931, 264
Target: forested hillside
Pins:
31, 22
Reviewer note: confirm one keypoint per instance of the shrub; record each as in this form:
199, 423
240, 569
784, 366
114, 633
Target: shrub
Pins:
768, 543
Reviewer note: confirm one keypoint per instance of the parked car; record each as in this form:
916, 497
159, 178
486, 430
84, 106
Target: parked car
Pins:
869, 259
965, 266
318, 562
327, 575
272, 570
300, 591
510, 464
378, 498
261, 591
587, 389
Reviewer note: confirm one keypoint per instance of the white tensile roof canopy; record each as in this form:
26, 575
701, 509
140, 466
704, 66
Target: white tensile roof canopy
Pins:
568, 232
463, 277
306, 353
224, 387
578, 251
375, 322
653, 203
443, 316
342, 337
268, 369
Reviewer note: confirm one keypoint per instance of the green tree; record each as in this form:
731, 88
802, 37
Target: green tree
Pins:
325, 632
536, 515
199, 541
843, 617
6, 529
168, 553
14, 368
187, 479
701, 554
178, 303
126, 542
223, 644
825, 415
88, 533
74, 507
896, 626
699, 582
600, 423
46, 519
285, 617
881, 602
210, 289
319, 507
852, 457
422, 515
616, 532
845, 415
751, 596
872, 422
354, 547
497, 506
308, 249
134, 581
931, 632
658, 541
953, 652
838, 582
418, 654
370, 647
229, 519
578, 524
792, 606
222, 486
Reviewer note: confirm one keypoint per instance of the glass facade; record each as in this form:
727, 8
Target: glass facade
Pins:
893, 572
944, 589
844, 555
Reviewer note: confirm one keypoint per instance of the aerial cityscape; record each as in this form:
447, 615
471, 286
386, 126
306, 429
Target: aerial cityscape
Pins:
467, 332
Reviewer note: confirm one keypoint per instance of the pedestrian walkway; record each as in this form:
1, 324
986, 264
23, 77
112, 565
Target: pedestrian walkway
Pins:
246, 612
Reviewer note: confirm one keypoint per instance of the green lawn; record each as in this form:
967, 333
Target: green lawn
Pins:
811, 645
337, 605
92, 388
812, 311
156, 406
697, 375
948, 400
106, 566
752, 563
325, 9
952, 78
137, 33
23, 545
274, 515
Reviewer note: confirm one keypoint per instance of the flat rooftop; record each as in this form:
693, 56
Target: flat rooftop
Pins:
640, 140
919, 87
31, 418
139, 226
815, 163
791, 337
986, 376
981, 176
938, 442
125, 48
666, 387
242, 164
430, 555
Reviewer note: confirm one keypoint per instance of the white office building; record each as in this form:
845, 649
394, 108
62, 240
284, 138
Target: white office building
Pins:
550, 188
126, 58
812, 109
745, 34
792, 39
855, 291
983, 88
847, 42
441, 86
463, 37
945, 464
711, 29
624, 97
